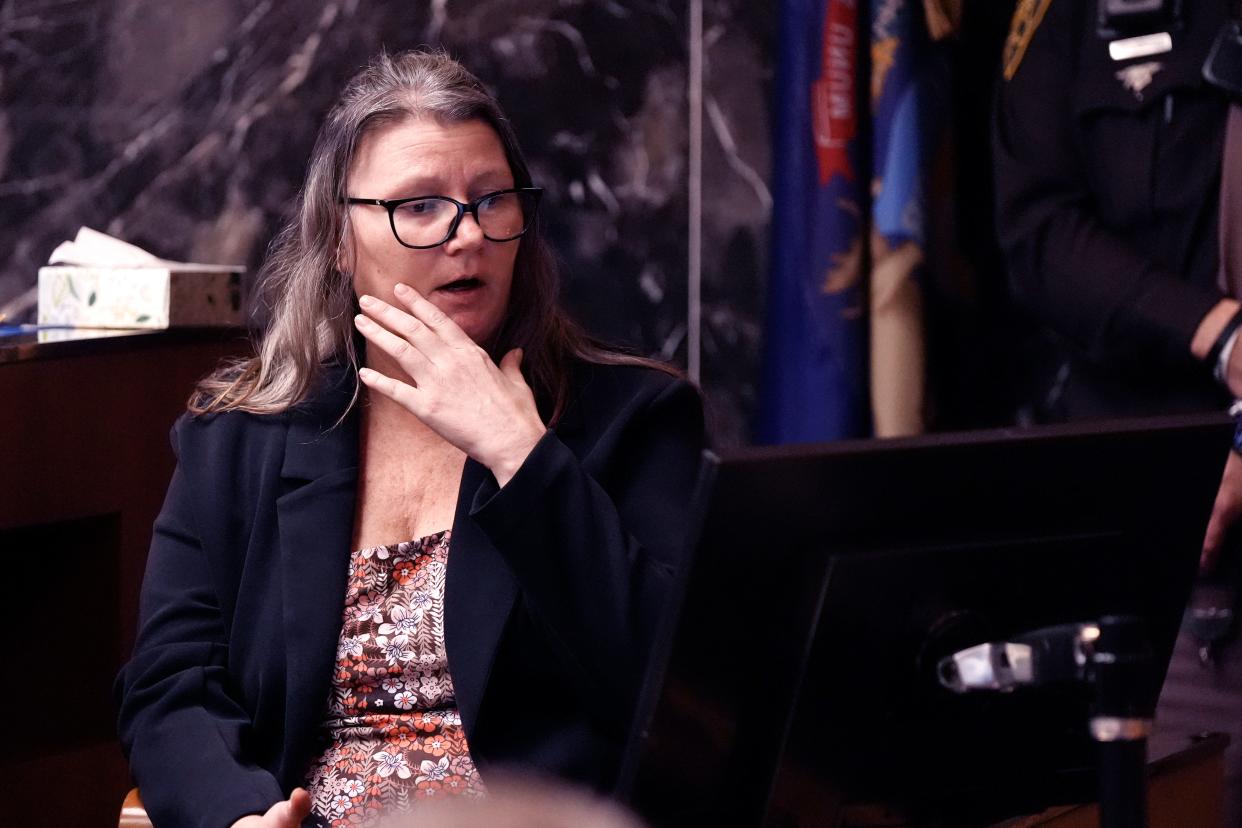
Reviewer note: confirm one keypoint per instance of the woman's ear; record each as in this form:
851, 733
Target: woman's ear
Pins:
345, 249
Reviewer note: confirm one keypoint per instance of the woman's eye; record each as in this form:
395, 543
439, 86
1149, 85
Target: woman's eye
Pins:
427, 209
494, 201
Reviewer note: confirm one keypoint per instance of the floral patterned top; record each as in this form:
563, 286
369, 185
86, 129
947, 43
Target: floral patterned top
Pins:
396, 735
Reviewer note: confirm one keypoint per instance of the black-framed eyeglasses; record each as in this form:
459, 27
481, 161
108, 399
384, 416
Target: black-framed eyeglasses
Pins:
429, 221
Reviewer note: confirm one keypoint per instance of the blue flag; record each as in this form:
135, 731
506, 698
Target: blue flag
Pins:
844, 354
814, 384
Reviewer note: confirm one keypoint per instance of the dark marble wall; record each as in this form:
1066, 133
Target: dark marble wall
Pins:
185, 127
738, 72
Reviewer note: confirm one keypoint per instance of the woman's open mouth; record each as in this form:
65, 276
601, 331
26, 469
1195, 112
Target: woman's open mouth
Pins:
463, 285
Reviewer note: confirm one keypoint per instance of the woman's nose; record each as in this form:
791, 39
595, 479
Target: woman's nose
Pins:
468, 233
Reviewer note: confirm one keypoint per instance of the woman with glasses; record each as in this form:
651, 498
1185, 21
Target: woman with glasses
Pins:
428, 530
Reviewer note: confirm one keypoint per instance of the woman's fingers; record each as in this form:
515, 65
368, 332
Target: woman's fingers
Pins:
299, 805
287, 813
395, 390
417, 333
431, 316
511, 366
410, 356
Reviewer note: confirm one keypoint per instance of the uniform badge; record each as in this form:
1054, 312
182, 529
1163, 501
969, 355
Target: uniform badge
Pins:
1138, 77
1026, 19
1130, 48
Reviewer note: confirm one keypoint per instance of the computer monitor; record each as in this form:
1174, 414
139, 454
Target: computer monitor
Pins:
798, 670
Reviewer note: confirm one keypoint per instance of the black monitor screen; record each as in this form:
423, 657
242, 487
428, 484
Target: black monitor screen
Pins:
828, 581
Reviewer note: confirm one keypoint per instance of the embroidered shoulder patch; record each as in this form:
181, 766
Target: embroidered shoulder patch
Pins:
1026, 19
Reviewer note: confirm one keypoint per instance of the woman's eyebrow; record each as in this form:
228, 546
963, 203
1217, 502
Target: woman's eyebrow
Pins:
423, 185
427, 183
415, 185
497, 175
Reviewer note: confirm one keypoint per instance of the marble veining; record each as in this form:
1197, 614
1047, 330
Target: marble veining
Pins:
185, 128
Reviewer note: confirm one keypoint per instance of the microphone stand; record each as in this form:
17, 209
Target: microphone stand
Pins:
1114, 658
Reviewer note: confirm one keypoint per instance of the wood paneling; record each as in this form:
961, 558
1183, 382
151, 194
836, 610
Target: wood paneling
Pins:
85, 459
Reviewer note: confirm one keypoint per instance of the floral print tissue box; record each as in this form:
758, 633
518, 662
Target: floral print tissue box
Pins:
140, 297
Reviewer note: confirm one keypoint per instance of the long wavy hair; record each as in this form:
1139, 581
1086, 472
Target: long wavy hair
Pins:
311, 301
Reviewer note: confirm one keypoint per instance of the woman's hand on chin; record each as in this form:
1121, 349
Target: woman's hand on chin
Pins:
286, 814
487, 411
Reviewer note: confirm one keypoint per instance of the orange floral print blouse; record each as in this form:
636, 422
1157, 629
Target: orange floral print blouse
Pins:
395, 733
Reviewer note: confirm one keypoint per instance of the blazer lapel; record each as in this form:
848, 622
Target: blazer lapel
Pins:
480, 591
315, 519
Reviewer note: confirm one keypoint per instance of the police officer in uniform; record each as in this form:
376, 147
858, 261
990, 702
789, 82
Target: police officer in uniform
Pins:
1108, 142
1107, 179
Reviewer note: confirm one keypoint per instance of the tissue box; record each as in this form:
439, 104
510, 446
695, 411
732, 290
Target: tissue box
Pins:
160, 296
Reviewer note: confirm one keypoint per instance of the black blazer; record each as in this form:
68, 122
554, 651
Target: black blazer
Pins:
554, 590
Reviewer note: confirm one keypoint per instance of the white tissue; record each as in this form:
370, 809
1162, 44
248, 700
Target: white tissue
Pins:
94, 249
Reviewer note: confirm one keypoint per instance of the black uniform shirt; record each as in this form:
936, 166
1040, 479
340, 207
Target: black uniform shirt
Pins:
1108, 177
